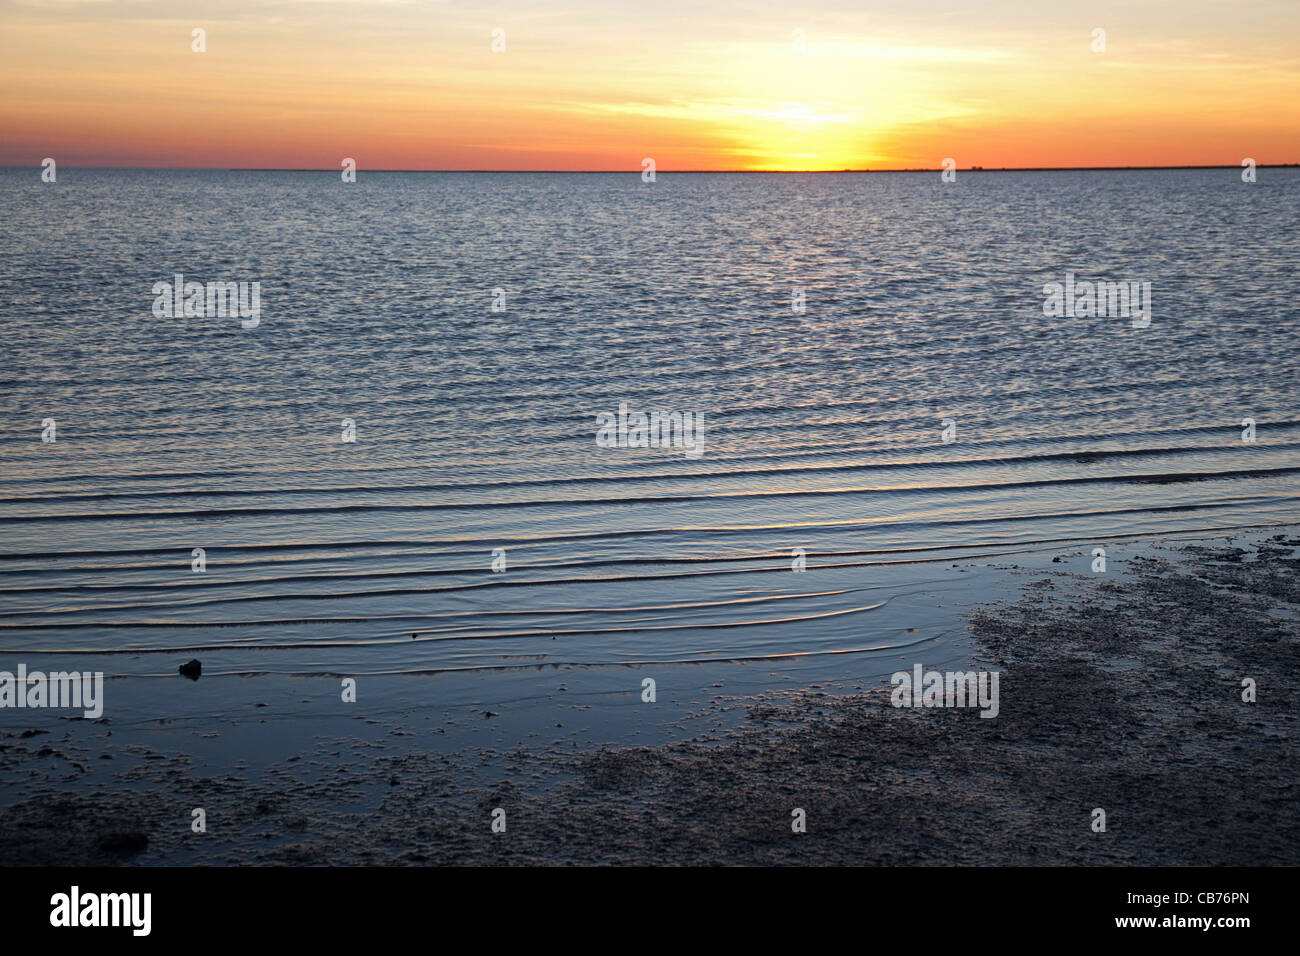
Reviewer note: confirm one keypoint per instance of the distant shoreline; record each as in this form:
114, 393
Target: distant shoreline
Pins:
637, 172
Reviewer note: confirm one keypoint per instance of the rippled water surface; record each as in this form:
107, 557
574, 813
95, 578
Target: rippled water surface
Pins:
475, 429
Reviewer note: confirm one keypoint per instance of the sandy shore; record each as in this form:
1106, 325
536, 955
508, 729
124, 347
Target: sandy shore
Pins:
1118, 691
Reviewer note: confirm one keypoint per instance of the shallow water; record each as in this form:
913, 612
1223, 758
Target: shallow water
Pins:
476, 429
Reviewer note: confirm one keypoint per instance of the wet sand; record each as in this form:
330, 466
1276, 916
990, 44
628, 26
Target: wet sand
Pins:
1119, 691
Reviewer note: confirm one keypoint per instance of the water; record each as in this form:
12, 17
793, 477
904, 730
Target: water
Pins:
475, 429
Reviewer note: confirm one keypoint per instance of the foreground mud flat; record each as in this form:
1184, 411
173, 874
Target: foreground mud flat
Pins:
1119, 693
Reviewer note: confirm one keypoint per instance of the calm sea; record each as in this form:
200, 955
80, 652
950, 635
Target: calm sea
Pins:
473, 326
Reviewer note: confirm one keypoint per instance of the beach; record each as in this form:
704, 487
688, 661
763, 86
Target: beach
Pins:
1120, 691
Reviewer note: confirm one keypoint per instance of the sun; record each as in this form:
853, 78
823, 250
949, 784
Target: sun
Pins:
803, 136
800, 136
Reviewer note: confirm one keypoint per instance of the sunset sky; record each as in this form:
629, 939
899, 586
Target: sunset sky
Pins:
704, 84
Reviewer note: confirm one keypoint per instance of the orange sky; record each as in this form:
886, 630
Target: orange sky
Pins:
414, 84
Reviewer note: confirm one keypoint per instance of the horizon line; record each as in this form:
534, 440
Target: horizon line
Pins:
637, 172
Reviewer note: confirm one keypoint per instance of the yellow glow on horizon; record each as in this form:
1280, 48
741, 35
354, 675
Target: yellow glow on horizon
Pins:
414, 85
